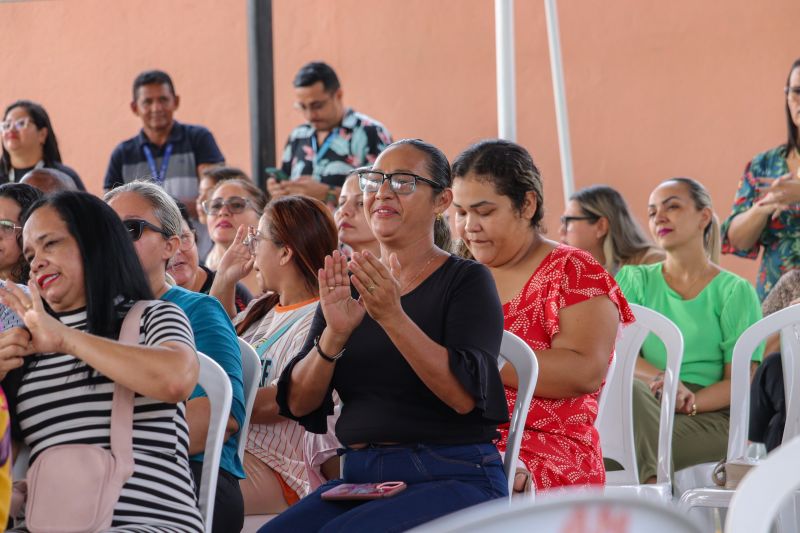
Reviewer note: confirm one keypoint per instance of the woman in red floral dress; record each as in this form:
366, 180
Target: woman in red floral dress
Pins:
557, 298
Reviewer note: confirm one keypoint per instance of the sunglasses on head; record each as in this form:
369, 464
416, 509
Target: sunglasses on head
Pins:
136, 227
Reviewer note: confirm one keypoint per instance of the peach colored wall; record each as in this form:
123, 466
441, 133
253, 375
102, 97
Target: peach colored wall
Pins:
79, 57
654, 89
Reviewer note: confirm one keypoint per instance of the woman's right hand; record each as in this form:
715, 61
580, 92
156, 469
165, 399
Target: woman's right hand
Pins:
238, 261
342, 313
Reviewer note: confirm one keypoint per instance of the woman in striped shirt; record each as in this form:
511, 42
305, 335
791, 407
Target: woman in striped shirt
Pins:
85, 275
294, 235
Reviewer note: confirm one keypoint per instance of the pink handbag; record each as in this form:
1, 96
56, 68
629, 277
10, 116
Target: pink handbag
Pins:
73, 488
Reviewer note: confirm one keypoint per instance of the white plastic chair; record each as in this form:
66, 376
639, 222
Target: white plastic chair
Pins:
217, 386
251, 375
521, 356
601, 399
616, 425
764, 489
567, 512
787, 322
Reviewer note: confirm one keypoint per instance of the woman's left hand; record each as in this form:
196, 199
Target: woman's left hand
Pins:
377, 284
47, 333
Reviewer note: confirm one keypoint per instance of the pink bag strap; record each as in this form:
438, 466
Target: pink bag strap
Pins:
122, 405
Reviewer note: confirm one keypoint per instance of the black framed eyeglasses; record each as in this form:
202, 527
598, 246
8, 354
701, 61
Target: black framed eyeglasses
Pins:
370, 181
565, 220
136, 227
235, 204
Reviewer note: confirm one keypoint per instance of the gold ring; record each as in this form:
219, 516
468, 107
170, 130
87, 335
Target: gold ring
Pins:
371, 288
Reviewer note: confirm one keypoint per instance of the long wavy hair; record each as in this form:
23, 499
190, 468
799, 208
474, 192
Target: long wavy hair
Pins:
305, 226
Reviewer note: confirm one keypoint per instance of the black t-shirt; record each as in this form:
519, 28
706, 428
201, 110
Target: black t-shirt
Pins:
384, 400
19, 173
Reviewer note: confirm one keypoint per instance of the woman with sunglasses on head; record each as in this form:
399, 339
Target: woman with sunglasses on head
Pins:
767, 204
85, 276
551, 292
29, 142
710, 306
294, 235
186, 270
409, 342
233, 203
597, 220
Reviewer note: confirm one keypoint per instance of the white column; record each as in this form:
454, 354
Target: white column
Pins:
562, 120
504, 48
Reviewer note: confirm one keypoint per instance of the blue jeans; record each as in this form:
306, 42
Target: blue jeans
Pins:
441, 480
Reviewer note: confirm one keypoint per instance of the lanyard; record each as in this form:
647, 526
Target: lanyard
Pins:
325, 145
151, 162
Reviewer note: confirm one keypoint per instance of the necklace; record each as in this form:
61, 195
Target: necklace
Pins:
688, 290
415, 278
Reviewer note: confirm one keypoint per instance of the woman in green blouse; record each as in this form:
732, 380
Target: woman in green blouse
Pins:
710, 306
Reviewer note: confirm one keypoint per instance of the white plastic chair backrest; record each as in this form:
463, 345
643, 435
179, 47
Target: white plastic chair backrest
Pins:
790, 359
217, 386
787, 322
251, 375
601, 399
616, 426
764, 489
521, 356
573, 513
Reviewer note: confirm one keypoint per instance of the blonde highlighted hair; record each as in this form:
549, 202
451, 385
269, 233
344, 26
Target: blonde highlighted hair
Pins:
625, 240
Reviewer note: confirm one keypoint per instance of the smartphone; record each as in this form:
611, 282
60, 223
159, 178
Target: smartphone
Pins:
364, 491
278, 174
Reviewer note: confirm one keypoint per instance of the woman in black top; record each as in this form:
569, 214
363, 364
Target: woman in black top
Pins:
413, 358
29, 142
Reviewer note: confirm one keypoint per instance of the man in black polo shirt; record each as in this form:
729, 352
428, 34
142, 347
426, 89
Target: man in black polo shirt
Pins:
335, 139
171, 153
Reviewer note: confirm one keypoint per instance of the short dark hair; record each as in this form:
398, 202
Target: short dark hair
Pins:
792, 142
24, 196
509, 167
111, 267
50, 152
153, 77
311, 73
222, 173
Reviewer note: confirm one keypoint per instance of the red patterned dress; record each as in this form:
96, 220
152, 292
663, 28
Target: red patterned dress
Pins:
561, 445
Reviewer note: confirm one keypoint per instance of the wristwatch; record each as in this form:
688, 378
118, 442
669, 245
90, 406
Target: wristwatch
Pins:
329, 358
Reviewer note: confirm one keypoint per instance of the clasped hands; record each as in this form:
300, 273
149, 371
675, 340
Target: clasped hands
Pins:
376, 282
42, 333
780, 193
684, 398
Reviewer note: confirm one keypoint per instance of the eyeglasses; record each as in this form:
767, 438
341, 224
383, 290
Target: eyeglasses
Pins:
252, 239
8, 228
792, 92
235, 204
19, 124
187, 240
565, 220
370, 181
316, 105
136, 227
